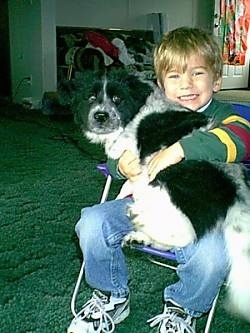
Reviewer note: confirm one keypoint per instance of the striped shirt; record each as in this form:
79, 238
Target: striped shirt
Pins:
227, 141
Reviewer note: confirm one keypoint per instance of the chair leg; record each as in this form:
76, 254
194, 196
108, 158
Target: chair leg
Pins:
211, 314
76, 289
106, 189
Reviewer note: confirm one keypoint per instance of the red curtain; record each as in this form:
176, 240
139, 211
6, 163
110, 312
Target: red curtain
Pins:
234, 24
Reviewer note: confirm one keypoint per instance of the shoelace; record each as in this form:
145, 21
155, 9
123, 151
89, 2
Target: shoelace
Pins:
94, 305
176, 322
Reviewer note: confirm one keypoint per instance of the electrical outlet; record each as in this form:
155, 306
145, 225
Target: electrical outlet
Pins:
27, 102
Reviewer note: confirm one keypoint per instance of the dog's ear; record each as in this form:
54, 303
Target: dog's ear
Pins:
70, 90
139, 89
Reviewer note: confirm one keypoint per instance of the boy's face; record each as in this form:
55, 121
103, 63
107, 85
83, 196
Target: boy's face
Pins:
194, 87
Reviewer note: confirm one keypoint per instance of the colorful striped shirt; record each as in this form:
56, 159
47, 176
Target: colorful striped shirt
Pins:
227, 141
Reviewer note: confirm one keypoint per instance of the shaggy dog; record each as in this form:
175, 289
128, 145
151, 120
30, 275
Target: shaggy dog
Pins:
184, 201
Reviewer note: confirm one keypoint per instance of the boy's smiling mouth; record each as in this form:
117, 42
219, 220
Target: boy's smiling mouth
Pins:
188, 97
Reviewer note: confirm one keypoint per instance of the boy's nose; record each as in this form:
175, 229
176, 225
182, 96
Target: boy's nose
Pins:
186, 81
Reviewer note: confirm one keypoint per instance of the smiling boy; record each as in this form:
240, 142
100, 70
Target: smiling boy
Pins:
188, 68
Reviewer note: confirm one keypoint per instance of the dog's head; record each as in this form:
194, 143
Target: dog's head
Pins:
104, 104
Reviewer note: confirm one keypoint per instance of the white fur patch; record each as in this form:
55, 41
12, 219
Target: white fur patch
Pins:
157, 220
237, 235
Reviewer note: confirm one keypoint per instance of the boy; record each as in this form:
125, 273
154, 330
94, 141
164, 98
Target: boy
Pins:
188, 67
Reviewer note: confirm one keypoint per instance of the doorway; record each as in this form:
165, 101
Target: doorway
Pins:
228, 17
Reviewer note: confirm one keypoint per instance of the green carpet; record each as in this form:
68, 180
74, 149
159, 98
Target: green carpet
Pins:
47, 175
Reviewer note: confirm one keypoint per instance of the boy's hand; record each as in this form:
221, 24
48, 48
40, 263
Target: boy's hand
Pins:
129, 165
164, 158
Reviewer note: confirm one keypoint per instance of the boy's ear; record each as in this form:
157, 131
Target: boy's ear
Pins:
217, 84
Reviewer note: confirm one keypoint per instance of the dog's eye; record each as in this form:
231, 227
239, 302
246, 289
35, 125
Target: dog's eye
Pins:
92, 98
116, 99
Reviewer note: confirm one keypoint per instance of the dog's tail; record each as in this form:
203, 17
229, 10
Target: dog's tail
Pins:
237, 235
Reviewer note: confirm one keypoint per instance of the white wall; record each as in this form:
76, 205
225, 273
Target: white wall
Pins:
33, 30
32, 48
126, 14
25, 46
48, 32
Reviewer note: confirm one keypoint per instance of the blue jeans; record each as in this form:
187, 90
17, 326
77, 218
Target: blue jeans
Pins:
202, 266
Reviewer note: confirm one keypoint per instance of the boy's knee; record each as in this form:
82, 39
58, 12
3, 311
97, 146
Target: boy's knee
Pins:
89, 223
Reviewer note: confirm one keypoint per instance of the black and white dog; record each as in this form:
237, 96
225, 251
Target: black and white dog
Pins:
186, 200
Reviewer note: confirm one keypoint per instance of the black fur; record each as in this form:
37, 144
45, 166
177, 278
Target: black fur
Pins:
159, 130
200, 189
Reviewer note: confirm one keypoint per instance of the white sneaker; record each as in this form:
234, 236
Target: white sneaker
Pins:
173, 320
100, 314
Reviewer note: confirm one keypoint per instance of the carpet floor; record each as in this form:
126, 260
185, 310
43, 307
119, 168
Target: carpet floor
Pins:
47, 174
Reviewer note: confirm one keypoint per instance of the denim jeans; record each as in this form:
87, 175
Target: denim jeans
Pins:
202, 266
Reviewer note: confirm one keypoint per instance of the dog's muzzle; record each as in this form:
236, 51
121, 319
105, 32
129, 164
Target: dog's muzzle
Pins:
103, 119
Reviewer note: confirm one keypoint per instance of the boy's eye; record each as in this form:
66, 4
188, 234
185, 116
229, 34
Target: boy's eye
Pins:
198, 73
173, 76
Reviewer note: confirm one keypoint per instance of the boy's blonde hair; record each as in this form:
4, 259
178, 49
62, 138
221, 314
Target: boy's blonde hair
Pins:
178, 45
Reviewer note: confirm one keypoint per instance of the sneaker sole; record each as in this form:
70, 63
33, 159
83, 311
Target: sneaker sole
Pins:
122, 316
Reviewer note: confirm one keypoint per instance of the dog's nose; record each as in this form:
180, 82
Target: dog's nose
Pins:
101, 116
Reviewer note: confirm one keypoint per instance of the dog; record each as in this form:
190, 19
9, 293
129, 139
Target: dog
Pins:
184, 201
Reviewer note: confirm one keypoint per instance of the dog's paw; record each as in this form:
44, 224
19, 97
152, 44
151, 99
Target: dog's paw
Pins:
136, 237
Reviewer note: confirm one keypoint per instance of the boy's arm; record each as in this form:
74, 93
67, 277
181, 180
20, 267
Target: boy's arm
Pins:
127, 167
228, 142
164, 158
113, 169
